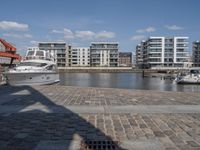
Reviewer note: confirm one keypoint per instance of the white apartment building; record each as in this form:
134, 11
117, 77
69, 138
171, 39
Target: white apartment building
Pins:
104, 54
59, 50
139, 56
165, 52
196, 53
80, 56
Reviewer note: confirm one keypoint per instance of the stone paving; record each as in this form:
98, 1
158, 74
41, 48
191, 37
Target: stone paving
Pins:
64, 126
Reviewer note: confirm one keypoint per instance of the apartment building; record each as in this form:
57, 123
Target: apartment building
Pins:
104, 54
125, 59
59, 50
164, 52
196, 53
80, 56
139, 55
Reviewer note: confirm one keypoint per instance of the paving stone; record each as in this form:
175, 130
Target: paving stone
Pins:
193, 144
42, 117
142, 145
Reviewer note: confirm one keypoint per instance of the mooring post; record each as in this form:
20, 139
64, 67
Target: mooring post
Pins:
143, 73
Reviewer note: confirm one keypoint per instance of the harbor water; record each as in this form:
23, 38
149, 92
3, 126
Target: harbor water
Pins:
124, 81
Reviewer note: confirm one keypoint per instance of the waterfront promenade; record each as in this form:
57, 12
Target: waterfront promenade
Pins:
63, 117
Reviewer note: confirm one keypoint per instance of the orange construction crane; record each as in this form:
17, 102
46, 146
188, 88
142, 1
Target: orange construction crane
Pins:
9, 51
7, 45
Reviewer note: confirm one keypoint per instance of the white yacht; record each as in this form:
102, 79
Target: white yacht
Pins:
193, 77
38, 68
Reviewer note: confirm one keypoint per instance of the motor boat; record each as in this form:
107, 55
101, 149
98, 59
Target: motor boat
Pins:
192, 77
38, 68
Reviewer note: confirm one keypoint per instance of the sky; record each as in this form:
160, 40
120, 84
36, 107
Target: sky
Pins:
80, 22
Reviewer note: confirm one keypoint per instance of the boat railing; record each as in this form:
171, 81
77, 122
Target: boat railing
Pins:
37, 57
27, 70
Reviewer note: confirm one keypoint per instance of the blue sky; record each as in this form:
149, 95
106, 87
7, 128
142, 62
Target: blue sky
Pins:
79, 22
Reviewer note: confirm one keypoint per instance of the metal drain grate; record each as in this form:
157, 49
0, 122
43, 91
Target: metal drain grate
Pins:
99, 145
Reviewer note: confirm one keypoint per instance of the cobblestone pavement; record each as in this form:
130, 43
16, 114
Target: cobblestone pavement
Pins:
36, 129
66, 95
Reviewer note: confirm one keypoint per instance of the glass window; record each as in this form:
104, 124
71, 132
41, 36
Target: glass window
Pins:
33, 64
39, 53
51, 67
30, 53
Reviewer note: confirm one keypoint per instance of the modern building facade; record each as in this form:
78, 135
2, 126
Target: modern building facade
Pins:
139, 55
125, 59
164, 52
196, 53
104, 54
80, 56
59, 50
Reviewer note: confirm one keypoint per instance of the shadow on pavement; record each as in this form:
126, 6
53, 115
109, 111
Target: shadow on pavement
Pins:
59, 128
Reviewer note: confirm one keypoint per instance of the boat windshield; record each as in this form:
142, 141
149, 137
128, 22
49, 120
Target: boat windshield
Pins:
39, 53
33, 64
30, 53
194, 71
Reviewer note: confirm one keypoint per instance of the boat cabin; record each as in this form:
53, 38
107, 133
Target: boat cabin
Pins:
38, 54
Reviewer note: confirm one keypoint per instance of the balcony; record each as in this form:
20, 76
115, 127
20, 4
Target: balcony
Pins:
95, 62
154, 57
95, 53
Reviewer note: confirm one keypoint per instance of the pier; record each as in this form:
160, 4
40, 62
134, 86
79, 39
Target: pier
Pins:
67, 117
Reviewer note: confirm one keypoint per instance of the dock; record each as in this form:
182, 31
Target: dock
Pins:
81, 118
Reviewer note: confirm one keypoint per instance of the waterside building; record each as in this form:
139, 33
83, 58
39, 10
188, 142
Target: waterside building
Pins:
163, 52
80, 56
104, 54
139, 56
196, 53
125, 59
59, 50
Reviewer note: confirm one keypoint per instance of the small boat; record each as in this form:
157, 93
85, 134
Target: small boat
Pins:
192, 77
38, 68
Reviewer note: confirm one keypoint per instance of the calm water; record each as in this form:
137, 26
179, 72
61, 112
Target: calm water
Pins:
123, 80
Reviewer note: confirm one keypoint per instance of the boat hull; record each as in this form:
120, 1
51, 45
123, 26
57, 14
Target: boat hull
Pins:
32, 78
187, 81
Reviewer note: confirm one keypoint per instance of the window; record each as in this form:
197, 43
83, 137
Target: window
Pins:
39, 53
33, 64
30, 53
49, 67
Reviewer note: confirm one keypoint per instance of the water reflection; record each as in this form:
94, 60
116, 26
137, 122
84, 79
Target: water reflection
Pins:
123, 80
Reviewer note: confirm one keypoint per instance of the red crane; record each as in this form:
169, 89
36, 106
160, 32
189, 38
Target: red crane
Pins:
9, 51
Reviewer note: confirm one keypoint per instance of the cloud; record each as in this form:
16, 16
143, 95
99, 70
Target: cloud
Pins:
85, 35
148, 29
105, 35
138, 37
27, 36
34, 42
9, 25
17, 36
57, 31
68, 34
173, 27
